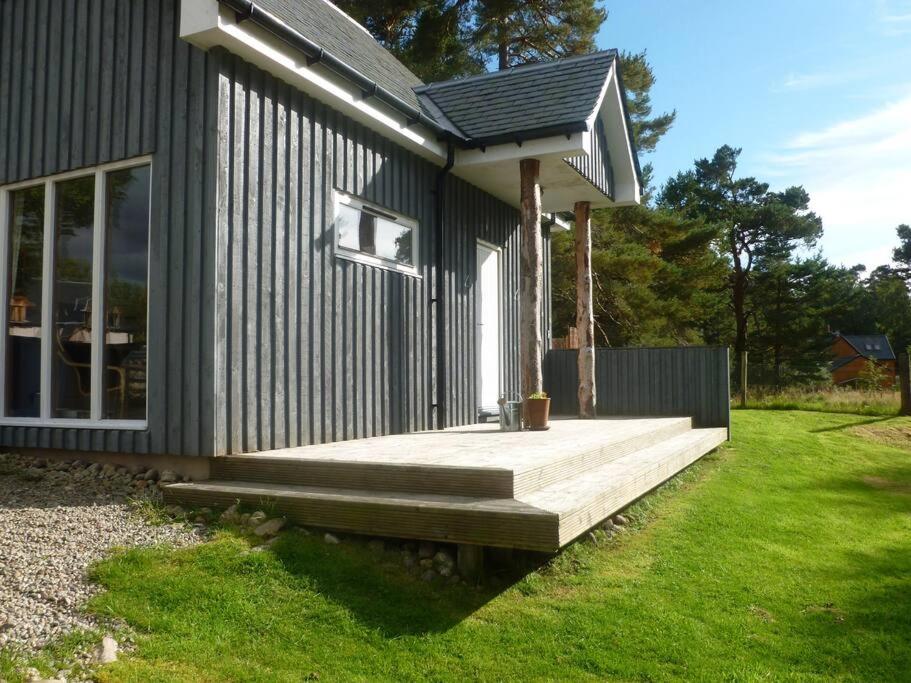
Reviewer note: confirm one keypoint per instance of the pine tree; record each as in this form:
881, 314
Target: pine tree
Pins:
516, 32
752, 223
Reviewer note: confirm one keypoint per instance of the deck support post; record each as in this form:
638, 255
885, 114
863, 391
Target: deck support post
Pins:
470, 560
585, 320
531, 269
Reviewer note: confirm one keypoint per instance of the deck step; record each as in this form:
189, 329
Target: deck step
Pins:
295, 466
544, 519
588, 499
458, 519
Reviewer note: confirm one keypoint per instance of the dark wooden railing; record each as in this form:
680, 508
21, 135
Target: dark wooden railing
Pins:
686, 381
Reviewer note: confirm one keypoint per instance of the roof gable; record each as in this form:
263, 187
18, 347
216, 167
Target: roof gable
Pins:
870, 345
522, 102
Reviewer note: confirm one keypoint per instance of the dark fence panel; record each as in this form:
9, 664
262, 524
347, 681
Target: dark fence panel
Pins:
689, 381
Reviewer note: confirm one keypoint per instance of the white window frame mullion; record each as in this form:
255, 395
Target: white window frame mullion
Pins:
4, 294
48, 343
98, 332
47, 302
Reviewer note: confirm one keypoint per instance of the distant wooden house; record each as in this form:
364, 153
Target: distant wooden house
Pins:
851, 353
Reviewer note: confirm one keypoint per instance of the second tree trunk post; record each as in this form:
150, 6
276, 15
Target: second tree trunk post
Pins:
585, 319
531, 269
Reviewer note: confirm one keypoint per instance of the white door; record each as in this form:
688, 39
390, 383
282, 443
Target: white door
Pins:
488, 322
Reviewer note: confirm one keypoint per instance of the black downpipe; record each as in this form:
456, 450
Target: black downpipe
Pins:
247, 10
438, 299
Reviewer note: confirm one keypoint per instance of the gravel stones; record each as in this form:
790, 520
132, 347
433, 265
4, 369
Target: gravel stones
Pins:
270, 527
256, 518
169, 477
51, 529
107, 651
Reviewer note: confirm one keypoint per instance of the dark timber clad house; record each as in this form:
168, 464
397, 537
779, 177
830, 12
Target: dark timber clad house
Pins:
283, 233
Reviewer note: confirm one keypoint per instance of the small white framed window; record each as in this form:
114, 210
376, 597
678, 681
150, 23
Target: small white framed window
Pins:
74, 275
375, 236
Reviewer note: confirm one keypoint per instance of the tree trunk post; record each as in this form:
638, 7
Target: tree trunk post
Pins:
585, 319
904, 379
532, 278
743, 379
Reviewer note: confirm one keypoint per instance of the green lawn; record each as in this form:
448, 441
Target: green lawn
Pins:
784, 556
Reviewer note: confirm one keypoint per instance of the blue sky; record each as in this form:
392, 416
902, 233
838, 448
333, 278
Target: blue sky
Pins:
816, 92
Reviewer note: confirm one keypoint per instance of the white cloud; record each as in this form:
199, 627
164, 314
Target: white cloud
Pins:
858, 174
820, 79
894, 17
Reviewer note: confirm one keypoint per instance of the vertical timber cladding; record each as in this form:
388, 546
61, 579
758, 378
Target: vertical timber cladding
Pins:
85, 82
596, 167
311, 348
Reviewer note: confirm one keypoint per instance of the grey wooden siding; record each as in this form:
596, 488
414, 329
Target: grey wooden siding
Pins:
596, 168
84, 82
311, 348
690, 381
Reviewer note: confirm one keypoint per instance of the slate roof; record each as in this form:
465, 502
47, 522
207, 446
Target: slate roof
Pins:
523, 102
871, 345
341, 36
514, 103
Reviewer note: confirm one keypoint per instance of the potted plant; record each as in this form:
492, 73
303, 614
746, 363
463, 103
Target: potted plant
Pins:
537, 411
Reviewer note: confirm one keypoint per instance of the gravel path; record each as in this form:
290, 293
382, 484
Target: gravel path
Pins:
55, 520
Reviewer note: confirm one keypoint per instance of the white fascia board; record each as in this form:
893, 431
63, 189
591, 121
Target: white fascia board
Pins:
562, 146
627, 191
599, 103
207, 23
558, 223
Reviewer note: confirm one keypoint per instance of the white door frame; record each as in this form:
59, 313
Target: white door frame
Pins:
498, 252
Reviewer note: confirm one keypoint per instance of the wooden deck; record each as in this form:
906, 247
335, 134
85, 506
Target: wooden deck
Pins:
475, 484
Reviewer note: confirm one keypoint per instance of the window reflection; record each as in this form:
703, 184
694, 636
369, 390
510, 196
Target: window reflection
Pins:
126, 292
23, 360
368, 233
72, 331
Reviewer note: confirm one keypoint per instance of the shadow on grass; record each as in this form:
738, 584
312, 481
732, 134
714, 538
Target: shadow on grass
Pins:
850, 425
380, 594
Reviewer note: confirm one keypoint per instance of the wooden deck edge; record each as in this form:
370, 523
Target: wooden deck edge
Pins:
577, 522
436, 479
529, 529
540, 477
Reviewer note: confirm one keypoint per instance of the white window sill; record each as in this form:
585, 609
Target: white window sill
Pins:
376, 262
68, 423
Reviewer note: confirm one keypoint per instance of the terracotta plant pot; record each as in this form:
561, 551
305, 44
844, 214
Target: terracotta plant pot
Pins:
537, 413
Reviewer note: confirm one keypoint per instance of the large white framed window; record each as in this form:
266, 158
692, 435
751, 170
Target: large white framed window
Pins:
74, 259
374, 235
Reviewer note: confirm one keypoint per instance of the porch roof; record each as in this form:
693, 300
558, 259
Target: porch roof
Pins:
523, 102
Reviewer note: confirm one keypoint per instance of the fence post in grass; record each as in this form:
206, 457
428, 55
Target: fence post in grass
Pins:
904, 380
743, 379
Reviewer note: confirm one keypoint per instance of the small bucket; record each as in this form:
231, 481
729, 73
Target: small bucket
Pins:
510, 415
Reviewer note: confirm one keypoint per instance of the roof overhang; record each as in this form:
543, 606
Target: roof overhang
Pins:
490, 164
495, 167
210, 23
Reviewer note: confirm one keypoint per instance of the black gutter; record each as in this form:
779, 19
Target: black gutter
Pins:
438, 300
520, 136
247, 10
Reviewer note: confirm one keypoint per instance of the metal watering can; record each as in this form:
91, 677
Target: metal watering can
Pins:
510, 415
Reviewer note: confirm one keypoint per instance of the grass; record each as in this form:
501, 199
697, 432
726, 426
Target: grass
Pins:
786, 556
829, 400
